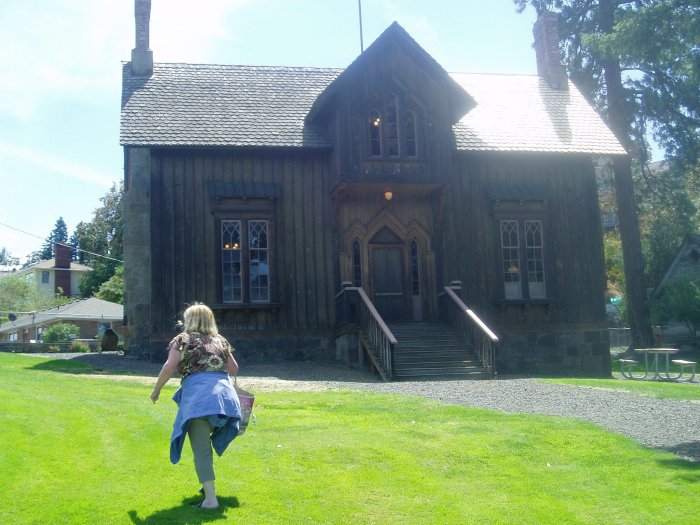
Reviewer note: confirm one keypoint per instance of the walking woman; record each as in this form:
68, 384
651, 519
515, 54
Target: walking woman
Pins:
208, 407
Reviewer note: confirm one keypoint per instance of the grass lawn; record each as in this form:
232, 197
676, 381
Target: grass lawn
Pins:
76, 449
657, 389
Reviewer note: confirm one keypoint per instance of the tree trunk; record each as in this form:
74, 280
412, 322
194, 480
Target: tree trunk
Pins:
635, 289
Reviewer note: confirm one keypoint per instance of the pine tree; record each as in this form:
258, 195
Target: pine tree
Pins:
58, 234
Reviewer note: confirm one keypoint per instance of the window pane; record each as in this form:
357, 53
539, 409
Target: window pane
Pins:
415, 281
375, 133
534, 249
232, 291
410, 135
511, 259
259, 267
392, 125
356, 264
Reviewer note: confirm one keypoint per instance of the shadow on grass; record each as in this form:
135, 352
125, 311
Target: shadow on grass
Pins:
689, 458
64, 365
186, 513
108, 363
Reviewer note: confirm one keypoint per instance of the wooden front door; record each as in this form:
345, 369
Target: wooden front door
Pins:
389, 283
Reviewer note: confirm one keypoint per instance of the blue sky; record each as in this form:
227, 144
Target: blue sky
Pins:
60, 67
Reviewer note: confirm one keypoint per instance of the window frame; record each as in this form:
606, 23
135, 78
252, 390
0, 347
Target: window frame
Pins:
524, 286
375, 133
357, 263
246, 262
393, 126
380, 139
410, 117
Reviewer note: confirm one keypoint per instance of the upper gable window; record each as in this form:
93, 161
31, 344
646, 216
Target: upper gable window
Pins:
392, 125
409, 126
393, 131
375, 133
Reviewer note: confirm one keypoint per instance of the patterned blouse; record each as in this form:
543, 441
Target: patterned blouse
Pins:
201, 353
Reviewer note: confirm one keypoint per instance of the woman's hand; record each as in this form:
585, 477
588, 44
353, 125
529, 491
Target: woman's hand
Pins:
155, 395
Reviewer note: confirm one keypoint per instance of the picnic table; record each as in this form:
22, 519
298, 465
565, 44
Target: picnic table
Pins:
660, 365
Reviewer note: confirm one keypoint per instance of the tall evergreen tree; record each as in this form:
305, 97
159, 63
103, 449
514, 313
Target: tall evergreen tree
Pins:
58, 234
638, 62
6, 258
100, 241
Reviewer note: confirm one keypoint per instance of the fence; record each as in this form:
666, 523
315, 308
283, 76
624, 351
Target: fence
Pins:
620, 337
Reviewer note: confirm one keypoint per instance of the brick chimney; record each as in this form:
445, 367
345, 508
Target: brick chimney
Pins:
62, 276
141, 55
549, 63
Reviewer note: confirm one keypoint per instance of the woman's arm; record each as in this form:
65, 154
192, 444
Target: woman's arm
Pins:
232, 365
169, 368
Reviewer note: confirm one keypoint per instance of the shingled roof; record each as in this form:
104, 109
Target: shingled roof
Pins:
215, 105
522, 113
252, 106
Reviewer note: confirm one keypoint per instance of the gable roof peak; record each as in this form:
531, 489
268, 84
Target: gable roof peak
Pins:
460, 101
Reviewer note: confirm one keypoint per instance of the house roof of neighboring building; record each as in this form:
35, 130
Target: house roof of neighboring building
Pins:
91, 309
51, 264
689, 248
253, 106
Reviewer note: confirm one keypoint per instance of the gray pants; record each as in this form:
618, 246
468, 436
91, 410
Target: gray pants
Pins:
200, 440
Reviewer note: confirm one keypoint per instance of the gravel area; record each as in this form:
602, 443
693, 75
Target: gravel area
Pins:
664, 424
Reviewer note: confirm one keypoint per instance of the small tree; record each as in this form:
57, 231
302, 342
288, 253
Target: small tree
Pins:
680, 301
113, 289
61, 333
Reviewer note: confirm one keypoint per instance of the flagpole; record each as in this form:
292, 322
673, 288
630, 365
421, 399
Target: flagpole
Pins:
362, 45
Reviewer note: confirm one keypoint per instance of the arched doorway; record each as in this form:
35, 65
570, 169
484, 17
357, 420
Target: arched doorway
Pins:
389, 286
394, 264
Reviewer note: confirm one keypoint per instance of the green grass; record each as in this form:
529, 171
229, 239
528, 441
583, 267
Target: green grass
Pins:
656, 389
75, 450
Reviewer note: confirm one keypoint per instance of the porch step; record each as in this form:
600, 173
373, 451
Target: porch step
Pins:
432, 350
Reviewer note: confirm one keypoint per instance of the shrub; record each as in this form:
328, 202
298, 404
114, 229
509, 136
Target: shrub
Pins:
79, 347
60, 333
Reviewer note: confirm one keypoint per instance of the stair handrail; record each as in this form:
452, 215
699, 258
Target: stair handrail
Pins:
378, 333
473, 329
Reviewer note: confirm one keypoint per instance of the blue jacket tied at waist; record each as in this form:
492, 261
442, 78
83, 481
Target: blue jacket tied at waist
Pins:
210, 395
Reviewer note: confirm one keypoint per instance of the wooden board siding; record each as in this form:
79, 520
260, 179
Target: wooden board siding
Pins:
392, 71
186, 236
572, 236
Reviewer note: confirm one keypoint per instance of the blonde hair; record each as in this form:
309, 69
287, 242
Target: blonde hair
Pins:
199, 318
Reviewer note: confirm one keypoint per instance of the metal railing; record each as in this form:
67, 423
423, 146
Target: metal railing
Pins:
472, 329
353, 304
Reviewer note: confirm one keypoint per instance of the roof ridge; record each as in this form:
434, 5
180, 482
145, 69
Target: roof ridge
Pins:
245, 66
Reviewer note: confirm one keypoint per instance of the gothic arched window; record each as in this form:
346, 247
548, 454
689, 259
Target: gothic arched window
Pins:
356, 264
375, 133
392, 125
409, 133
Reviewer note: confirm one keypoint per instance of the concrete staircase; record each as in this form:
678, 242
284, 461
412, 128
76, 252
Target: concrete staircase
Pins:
432, 350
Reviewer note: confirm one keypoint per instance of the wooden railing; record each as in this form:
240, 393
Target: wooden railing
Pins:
474, 330
353, 304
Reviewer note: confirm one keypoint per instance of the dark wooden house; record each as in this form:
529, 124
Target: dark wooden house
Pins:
352, 214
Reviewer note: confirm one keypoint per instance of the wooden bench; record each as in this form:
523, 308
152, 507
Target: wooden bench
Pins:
683, 364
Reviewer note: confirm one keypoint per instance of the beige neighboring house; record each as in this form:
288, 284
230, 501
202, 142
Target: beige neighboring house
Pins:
54, 275
93, 316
